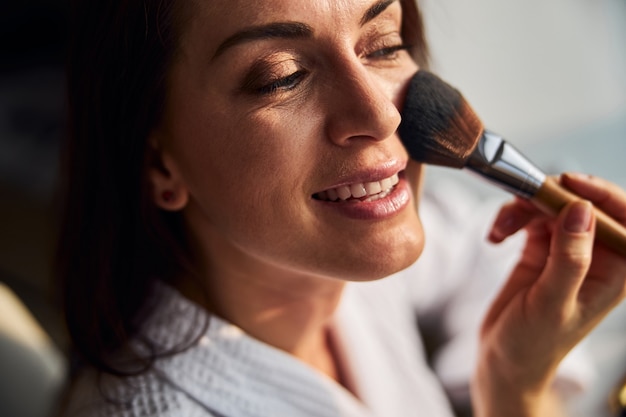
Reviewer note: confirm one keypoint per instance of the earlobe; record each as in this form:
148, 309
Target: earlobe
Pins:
169, 191
170, 200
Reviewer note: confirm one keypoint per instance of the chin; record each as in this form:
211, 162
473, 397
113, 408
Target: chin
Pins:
391, 266
381, 263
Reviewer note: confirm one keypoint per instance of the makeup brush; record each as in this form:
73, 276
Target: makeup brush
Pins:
440, 128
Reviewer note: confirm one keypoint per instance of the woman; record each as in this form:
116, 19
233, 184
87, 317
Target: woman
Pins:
231, 167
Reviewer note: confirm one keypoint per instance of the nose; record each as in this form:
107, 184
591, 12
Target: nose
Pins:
361, 109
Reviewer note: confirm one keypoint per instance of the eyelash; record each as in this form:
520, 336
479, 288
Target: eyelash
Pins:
284, 84
291, 81
388, 52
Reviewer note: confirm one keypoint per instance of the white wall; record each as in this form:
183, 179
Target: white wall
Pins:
532, 67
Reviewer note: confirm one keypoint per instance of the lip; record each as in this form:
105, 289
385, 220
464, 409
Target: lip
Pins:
394, 202
377, 173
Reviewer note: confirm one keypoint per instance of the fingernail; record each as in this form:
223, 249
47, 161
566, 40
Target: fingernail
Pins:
578, 218
577, 176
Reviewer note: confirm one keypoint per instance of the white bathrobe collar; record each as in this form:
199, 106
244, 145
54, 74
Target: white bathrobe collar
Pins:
232, 374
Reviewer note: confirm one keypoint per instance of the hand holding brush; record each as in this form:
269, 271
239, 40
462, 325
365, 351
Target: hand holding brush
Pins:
563, 284
439, 127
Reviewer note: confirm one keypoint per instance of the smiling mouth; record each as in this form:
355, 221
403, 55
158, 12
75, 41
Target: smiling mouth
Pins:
365, 192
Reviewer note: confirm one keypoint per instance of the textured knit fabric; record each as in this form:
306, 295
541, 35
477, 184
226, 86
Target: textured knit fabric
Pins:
227, 373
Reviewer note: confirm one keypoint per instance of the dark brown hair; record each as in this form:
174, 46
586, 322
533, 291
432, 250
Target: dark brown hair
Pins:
114, 242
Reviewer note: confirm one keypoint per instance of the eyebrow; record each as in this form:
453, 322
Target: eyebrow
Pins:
376, 9
287, 30
290, 30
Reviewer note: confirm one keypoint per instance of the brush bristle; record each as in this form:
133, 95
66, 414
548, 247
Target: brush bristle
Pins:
438, 126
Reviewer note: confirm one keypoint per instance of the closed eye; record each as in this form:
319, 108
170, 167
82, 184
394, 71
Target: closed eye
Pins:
389, 52
283, 84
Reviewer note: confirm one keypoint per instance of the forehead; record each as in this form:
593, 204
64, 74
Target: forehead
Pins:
215, 20
259, 11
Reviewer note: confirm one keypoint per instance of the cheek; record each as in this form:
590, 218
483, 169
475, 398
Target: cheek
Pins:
396, 83
245, 167
264, 154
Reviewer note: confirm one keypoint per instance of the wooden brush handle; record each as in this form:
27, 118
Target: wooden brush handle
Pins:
551, 198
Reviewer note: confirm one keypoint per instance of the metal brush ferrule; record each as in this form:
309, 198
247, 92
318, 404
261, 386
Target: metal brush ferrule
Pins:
500, 163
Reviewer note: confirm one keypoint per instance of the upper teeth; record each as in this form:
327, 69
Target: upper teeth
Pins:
365, 191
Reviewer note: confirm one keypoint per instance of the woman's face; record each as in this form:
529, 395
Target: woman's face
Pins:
280, 124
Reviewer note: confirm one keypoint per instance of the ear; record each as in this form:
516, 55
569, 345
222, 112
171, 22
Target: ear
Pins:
169, 191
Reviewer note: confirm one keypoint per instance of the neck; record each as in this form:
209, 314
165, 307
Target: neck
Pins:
284, 307
289, 311
294, 320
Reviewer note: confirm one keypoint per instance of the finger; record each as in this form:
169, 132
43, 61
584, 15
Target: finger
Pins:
570, 256
611, 210
606, 195
511, 218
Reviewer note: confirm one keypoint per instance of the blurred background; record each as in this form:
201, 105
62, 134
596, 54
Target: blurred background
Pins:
32, 44
549, 75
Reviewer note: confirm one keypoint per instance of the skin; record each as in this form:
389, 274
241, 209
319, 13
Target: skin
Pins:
276, 257
255, 126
